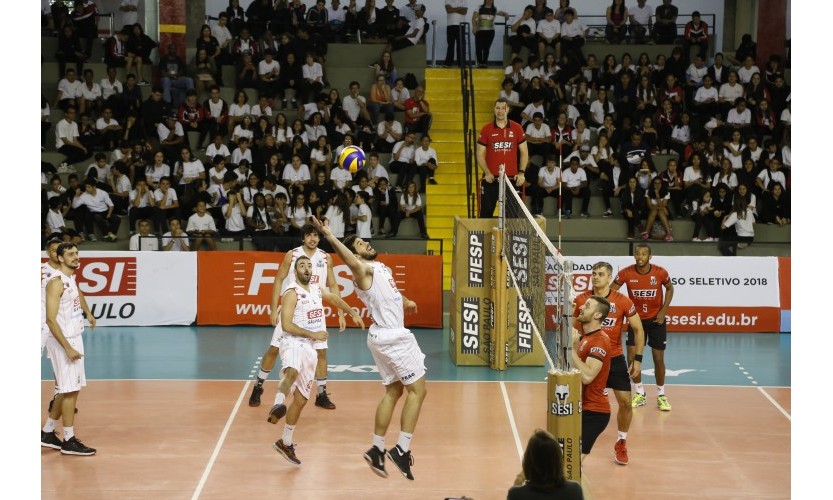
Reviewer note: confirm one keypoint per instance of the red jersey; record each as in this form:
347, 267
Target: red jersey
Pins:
645, 290
614, 325
412, 107
502, 146
595, 345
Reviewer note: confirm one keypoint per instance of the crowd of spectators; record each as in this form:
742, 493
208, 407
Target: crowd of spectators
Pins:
259, 166
722, 123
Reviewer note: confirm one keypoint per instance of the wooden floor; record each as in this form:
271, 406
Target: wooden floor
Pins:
199, 439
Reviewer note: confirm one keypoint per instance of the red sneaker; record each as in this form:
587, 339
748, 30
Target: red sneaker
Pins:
620, 452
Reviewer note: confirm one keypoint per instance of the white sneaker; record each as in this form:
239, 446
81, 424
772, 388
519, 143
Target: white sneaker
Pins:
696, 239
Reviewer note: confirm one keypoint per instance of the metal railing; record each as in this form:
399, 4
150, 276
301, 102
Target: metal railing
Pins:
467, 91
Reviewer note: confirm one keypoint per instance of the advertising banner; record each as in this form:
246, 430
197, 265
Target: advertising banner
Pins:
139, 288
711, 294
236, 287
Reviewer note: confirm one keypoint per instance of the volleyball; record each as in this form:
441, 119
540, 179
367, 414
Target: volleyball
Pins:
351, 158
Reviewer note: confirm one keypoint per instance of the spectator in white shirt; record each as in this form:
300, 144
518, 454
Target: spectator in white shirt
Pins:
296, 175
144, 240
313, 74
165, 204
91, 98
538, 136
549, 180
549, 34
362, 219
640, 21
402, 160
388, 133
729, 93
574, 183
111, 87
70, 90
95, 208
572, 35
748, 69
771, 174
142, 204
425, 158
411, 207
176, 240
66, 138
202, 228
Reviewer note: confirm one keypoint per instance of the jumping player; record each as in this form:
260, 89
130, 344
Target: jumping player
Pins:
645, 283
619, 379
398, 357
302, 317
591, 355
66, 350
322, 272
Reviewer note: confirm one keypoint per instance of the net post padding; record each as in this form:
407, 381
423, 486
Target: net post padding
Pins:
564, 418
499, 352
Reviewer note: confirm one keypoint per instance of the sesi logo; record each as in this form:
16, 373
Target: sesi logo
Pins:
581, 283
315, 313
107, 276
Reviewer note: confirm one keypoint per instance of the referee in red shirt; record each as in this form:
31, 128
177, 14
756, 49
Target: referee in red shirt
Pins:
499, 144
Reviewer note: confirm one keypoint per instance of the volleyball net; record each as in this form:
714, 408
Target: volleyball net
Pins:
538, 298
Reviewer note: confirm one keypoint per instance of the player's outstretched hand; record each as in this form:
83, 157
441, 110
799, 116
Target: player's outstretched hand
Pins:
342, 323
410, 306
357, 319
322, 228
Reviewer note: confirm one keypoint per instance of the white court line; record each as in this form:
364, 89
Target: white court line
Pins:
771, 400
512, 421
219, 445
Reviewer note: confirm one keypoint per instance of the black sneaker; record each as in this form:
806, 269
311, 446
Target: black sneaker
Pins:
50, 440
403, 460
288, 452
323, 401
73, 446
376, 459
254, 399
276, 413
432, 181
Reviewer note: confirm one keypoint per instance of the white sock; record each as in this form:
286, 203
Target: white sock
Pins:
623, 435
660, 390
280, 398
322, 385
287, 434
262, 375
50, 425
379, 442
639, 388
69, 433
405, 441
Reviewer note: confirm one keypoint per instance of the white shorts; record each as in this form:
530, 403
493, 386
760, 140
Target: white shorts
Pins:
299, 354
277, 335
397, 355
69, 375
44, 336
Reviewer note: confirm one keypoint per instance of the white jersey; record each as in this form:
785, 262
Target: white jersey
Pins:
46, 274
319, 268
383, 299
70, 317
309, 308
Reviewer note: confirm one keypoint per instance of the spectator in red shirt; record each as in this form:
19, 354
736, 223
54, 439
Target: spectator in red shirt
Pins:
417, 113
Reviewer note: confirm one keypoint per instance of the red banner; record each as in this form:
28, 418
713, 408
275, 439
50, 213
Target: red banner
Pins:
236, 287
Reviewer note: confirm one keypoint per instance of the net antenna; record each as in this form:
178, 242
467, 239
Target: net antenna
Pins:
541, 275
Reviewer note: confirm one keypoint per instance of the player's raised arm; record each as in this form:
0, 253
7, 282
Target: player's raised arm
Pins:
332, 285
337, 301
356, 266
283, 272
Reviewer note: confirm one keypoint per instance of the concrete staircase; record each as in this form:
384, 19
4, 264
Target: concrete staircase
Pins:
448, 197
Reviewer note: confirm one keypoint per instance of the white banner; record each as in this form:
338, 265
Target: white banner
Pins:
700, 281
139, 288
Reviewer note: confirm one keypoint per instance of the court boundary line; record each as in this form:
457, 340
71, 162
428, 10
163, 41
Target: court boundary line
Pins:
775, 403
220, 442
512, 424
379, 381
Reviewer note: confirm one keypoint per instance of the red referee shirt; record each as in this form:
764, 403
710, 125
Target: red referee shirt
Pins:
502, 146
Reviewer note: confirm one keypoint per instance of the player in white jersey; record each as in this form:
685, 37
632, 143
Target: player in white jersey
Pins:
47, 271
65, 320
304, 324
398, 357
322, 272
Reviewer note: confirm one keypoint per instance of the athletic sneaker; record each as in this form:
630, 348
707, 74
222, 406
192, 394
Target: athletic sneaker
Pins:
323, 401
376, 459
638, 400
73, 446
663, 404
276, 413
288, 452
254, 399
50, 440
403, 460
620, 452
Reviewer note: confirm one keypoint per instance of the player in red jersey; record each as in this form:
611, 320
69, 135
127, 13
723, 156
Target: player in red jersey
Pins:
499, 144
622, 312
591, 356
645, 283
